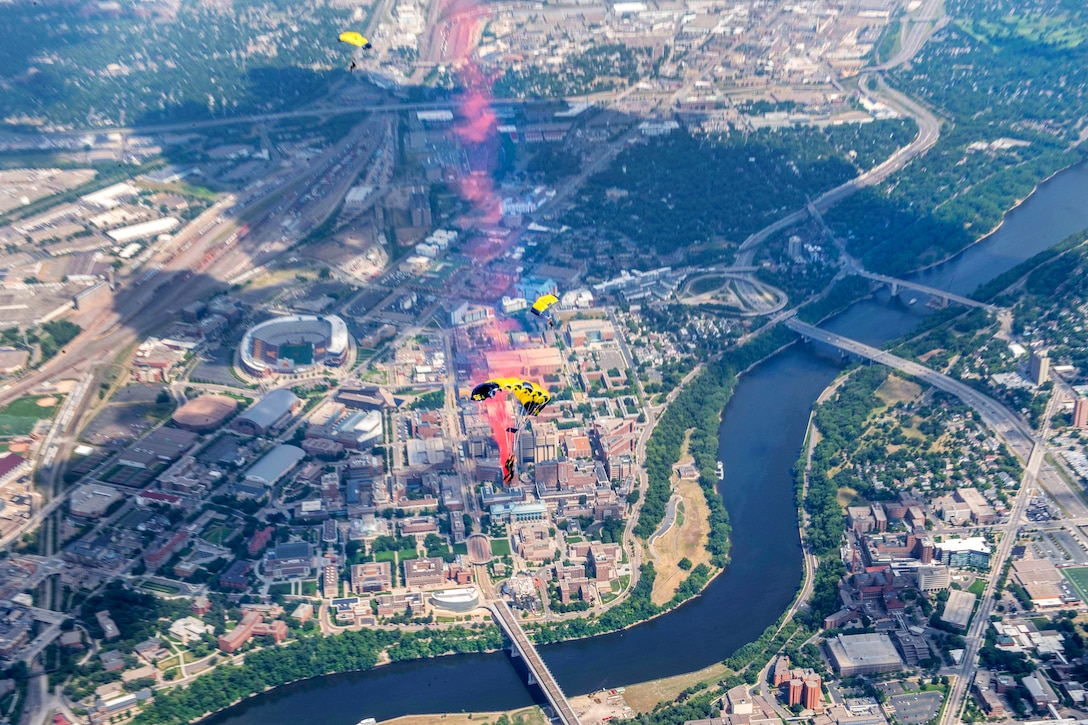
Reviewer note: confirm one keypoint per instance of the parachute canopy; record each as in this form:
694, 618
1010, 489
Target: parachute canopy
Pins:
532, 397
354, 38
543, 303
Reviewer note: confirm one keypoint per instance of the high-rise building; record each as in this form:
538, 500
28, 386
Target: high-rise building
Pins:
1080, 412
812, 693
794, 248
546, 439
797, 688
781, 670
1039, 367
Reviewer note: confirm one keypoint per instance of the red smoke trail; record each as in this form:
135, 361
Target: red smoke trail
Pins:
477, 131
478, 127
498, 415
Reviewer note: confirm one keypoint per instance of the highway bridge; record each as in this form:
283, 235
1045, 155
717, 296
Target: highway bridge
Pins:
538, 671
1007, 424
945, 297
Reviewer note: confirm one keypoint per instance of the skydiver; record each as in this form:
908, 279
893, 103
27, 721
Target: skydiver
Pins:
508, 470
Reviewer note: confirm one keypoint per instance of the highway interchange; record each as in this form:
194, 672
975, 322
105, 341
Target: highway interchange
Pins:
132, 317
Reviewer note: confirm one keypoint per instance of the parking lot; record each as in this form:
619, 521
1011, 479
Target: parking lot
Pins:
916, 708
1061, 548
1069, 544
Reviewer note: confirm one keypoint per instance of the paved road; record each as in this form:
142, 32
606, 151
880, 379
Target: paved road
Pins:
1016, 434
929, 131
666, 523
917, 29
1009, 426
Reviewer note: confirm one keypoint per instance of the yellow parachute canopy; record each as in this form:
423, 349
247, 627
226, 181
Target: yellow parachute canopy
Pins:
355, 39
543, 303
532, 397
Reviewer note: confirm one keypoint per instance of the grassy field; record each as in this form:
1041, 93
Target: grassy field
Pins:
18, 417
897, 390
1078, 577
846, 496
644, 696
500, 547
217, 535
32, 407
687, 538
161, 588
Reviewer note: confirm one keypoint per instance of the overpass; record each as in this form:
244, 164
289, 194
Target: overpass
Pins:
1008, 426
538, 671
945, 297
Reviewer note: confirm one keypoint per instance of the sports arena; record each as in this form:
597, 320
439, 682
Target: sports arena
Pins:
294, 344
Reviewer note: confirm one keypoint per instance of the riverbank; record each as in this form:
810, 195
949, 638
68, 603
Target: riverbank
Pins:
524, 716
644, 696
997, 227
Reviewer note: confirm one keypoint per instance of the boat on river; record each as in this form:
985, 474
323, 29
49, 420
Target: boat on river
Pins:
721, 471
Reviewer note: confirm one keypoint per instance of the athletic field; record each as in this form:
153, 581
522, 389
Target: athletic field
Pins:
1078, 577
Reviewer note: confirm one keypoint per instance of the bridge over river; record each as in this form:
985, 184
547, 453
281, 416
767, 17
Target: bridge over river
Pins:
945, 297
538, 671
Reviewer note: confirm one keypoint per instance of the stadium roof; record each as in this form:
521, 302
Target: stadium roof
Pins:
270, 408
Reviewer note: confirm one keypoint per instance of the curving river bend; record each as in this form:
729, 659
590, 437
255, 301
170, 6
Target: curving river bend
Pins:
760, 437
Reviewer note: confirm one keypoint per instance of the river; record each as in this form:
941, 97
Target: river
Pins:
760, 438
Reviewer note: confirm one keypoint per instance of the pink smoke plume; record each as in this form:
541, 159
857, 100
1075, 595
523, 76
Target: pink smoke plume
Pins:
495, 335
478, 125
477, 130
498, 416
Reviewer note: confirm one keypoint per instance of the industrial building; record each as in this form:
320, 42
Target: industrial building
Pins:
91, 500
162, 445
144, 229
1040, 690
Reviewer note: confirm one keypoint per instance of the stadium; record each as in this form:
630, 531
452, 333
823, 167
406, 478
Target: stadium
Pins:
294, 344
